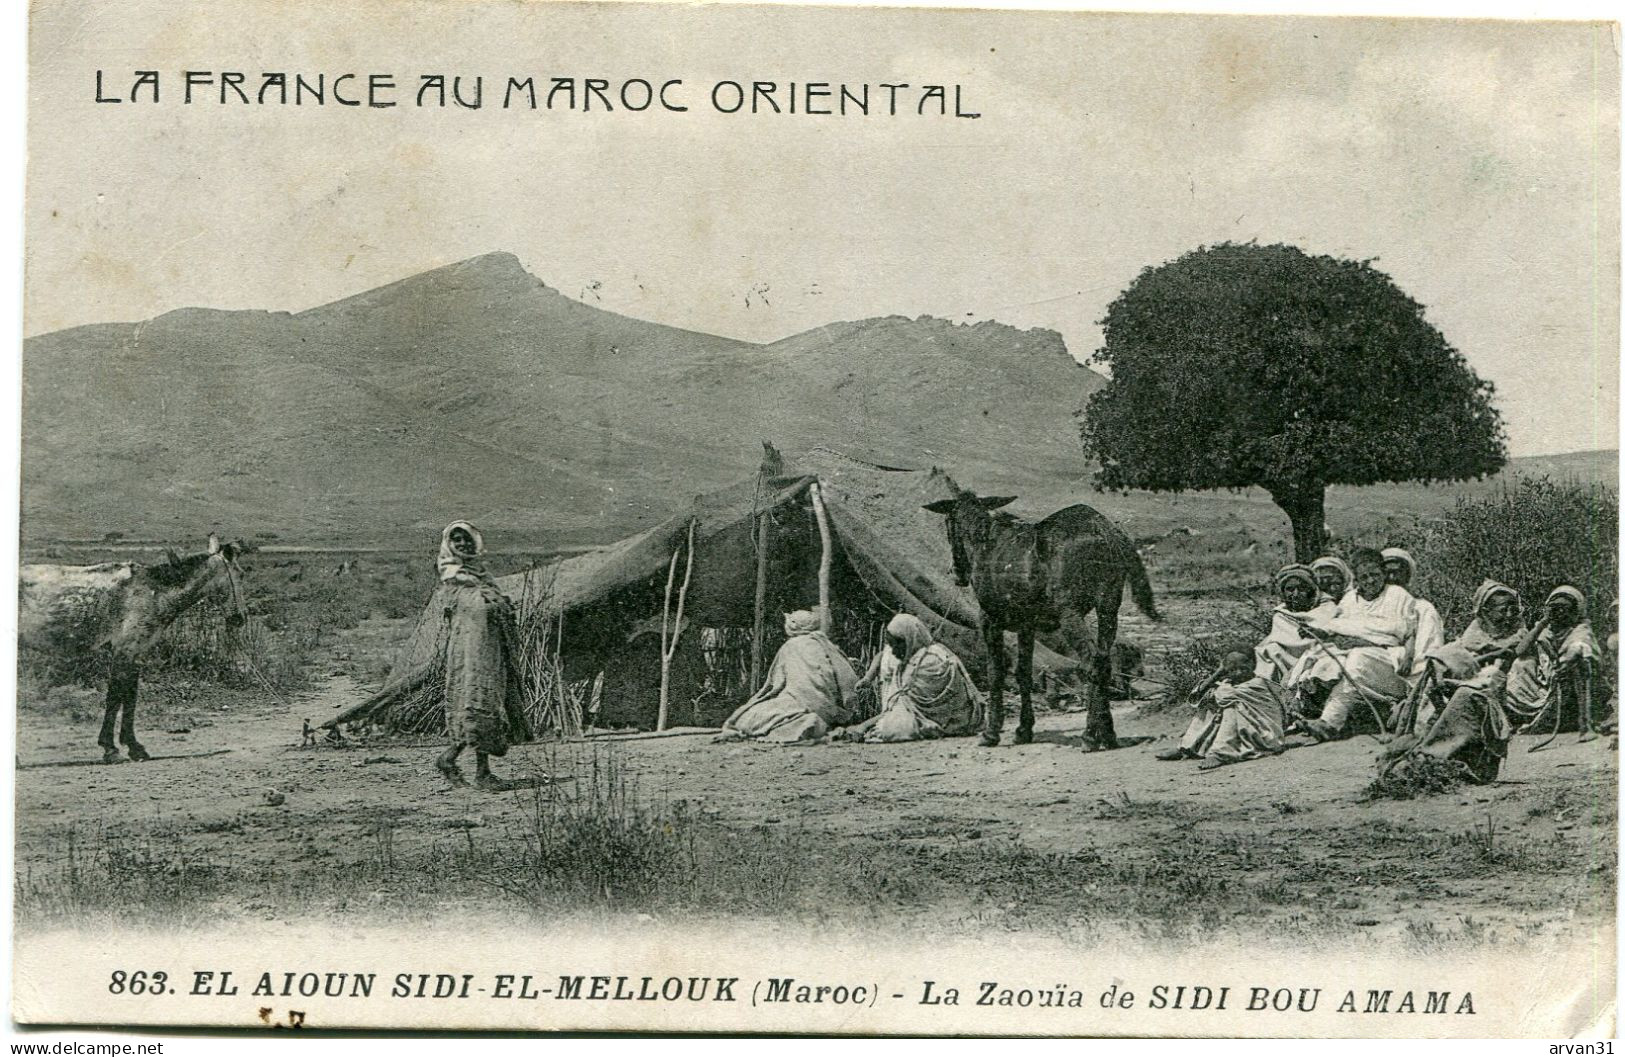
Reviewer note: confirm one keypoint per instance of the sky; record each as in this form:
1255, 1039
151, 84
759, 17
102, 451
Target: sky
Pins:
1475, 162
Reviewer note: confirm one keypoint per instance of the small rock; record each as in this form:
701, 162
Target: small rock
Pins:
1366, 923
274, 798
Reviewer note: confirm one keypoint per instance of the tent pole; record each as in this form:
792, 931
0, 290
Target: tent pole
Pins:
823, 557
761, 601
666, 651
665, 620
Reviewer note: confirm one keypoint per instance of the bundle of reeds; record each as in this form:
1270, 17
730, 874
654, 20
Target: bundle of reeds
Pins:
552, 703
415, 703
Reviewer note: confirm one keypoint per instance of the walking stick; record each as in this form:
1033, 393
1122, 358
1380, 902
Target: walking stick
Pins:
1557, 720
1433, 724
1206, 684
1376, 713
1411, 707
1582, 722
1588, 731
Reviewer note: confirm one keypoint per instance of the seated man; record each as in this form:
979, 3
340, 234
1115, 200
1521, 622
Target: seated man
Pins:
1362, 658
809, 689
1496, 628
930, 695
1553, 684
1552, 662
1333, 575
1243, 716
1400, 569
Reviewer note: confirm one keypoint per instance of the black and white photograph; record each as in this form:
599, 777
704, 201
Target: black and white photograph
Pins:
677, 518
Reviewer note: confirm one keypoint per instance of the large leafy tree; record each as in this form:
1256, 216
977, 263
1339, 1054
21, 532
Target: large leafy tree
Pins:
1239, 365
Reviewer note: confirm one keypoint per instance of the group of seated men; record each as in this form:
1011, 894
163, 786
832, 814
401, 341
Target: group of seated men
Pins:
1351, 649
811, 690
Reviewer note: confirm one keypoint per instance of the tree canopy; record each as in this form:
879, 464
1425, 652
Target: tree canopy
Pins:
1239, 365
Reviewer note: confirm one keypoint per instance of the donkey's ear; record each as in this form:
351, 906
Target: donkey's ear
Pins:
942, 506
994, 502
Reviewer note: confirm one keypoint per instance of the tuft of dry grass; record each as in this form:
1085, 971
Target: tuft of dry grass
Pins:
1417, 775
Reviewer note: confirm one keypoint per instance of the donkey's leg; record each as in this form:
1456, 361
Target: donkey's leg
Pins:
1098, 731
110, 716
993, 640
128, 676
1024, 681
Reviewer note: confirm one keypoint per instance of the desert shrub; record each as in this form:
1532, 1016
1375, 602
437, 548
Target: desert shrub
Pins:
1532, 535
1416, 775
1183, 667
37, 691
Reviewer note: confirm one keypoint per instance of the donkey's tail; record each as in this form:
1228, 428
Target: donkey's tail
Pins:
1140, 585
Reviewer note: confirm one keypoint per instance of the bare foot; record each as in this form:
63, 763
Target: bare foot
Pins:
1400, 745
1321, 731
138, 752
450, 771
490, 783
110, 755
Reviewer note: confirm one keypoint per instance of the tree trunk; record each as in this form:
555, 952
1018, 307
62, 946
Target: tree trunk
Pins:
1305, 507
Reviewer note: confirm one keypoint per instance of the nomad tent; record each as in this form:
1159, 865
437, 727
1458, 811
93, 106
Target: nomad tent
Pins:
676, 624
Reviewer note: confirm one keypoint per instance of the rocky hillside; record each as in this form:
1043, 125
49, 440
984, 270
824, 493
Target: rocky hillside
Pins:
476, 390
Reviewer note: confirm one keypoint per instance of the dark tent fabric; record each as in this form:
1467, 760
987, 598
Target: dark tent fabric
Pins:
890, 555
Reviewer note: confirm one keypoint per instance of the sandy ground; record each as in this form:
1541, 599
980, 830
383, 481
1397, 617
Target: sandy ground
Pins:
209, 785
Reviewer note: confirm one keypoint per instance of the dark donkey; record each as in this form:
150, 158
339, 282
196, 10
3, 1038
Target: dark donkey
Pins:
115, 612
1027, 577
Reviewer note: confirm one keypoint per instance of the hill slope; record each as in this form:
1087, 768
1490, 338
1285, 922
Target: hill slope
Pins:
477, 391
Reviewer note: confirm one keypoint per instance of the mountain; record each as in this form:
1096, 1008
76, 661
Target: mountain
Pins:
475, 390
